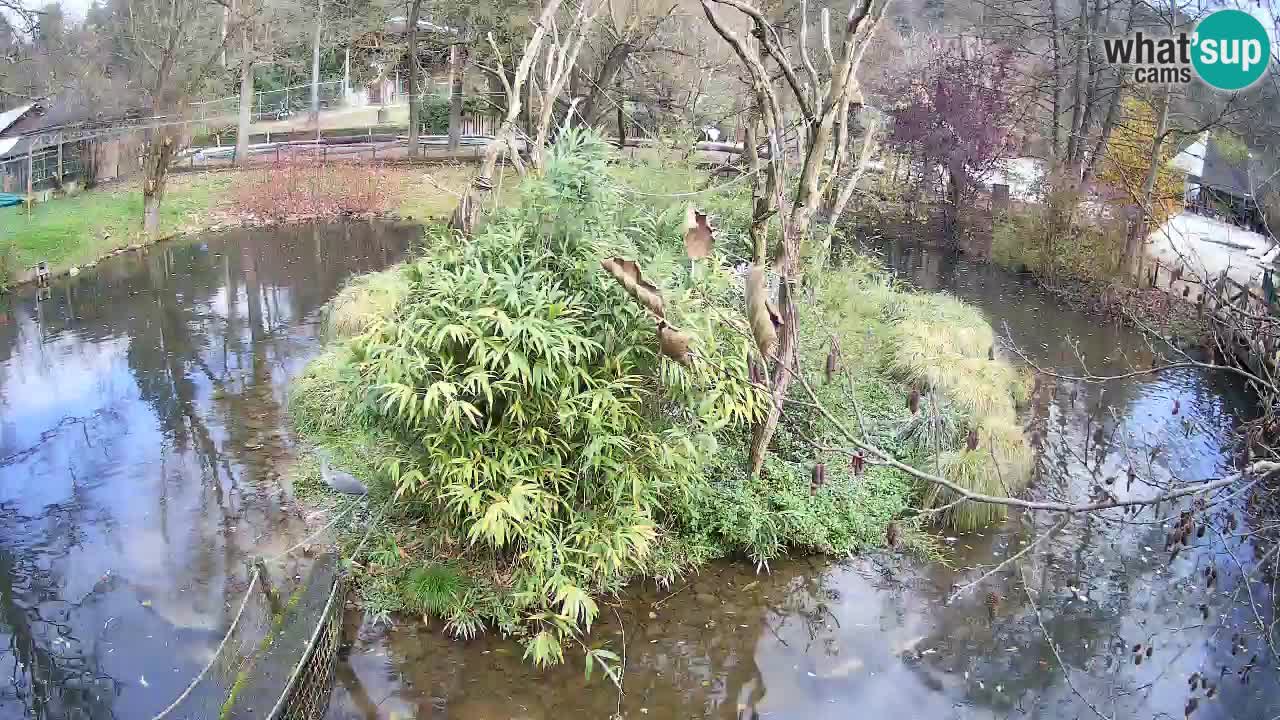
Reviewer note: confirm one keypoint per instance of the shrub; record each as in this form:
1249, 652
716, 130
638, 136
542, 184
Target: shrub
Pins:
539, 419
434, 112
297, 188
940, 346
1127, 161
1089, 251
543, 452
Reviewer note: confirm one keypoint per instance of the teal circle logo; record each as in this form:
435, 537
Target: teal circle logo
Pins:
1231, 49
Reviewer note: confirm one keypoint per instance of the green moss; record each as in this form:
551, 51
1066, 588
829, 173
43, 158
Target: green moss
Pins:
277, 622
365, 300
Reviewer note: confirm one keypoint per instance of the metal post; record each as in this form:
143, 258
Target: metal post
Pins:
59, 162
346, 75
30, 174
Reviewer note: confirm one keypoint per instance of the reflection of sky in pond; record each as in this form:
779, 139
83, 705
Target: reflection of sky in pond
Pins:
142, 435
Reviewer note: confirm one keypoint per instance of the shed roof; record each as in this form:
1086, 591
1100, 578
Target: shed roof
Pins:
9, 117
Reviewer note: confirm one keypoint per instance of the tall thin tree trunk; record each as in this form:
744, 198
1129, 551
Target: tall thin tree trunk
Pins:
415, 96
222, 35
763, 433
1112, 116
1074, 145
1138, 232
622, 125
1055, 145
951, 213
246, 97
1100, 147
457, 74
315, 69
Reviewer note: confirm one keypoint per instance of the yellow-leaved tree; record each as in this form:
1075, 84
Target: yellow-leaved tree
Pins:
1128, 158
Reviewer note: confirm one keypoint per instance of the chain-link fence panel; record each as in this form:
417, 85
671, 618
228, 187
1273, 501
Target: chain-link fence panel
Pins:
274, 681
308, 696
206, 696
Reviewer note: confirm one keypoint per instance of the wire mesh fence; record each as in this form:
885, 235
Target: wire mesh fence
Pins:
308, 696
46, 168
206, 696
278, 104
277, 659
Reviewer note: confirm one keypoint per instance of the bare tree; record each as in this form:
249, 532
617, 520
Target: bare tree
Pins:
466, 215
629, 29
820, 100
169, 40
559, 64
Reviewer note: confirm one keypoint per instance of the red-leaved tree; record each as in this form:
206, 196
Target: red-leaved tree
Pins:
958, 116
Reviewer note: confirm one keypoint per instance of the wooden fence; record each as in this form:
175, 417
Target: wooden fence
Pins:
1244, 320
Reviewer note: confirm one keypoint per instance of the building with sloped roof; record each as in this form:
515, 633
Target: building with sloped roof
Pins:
45, 147
1220, 186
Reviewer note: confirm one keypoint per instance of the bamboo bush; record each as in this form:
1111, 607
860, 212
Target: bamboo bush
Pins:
539, 419
509, 390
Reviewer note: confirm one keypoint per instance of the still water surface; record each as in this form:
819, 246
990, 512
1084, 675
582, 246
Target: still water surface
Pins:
142, 438
142, 441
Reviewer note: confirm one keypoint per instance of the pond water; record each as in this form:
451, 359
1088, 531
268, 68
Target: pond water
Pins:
142, 435
142, 438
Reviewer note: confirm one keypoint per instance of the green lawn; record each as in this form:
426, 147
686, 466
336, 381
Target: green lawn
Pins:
433, 193
75, 230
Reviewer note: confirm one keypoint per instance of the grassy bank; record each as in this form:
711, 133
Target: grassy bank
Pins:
504, 398
80, 229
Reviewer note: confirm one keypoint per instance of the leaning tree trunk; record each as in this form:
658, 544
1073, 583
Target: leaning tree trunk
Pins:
415, 97
155, 173
590, 109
